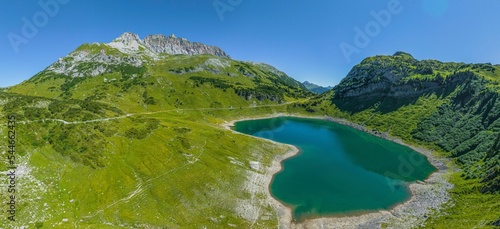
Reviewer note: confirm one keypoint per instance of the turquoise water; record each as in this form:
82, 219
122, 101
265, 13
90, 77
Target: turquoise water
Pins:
339, 170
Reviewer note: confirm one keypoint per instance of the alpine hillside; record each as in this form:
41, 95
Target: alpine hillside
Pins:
453, 108
128, 134
160, 72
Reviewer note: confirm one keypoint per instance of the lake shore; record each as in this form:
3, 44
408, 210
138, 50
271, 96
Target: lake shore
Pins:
426, 196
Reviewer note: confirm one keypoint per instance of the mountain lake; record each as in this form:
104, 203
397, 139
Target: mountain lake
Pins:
339, 170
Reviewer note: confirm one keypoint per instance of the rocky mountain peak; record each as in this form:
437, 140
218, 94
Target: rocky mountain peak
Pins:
127, 43
153, 45
127, 37
132, 51
173, 45
156, 37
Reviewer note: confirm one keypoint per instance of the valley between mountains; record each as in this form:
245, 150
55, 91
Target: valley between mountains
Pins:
130, 134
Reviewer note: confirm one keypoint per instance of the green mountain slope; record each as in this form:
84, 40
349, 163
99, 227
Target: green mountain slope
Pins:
113, 137
450, 107
98, 72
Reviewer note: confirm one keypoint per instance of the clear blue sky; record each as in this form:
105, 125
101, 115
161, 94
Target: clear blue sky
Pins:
301, 38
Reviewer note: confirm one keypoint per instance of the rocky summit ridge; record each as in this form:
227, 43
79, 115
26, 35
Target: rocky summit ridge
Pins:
130, 43
128, 49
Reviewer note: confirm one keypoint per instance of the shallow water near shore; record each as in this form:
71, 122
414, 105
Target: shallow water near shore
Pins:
339, 170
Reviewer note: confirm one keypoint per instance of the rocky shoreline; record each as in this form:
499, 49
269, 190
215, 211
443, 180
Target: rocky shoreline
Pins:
427, 196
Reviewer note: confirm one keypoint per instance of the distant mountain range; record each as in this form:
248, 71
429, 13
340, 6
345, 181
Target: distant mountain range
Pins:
316, 88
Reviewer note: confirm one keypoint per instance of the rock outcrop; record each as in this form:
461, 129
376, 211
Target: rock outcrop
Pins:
127, 50
173, 45
158, 44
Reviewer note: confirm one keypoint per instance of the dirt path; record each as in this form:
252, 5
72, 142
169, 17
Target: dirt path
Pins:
142, 113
